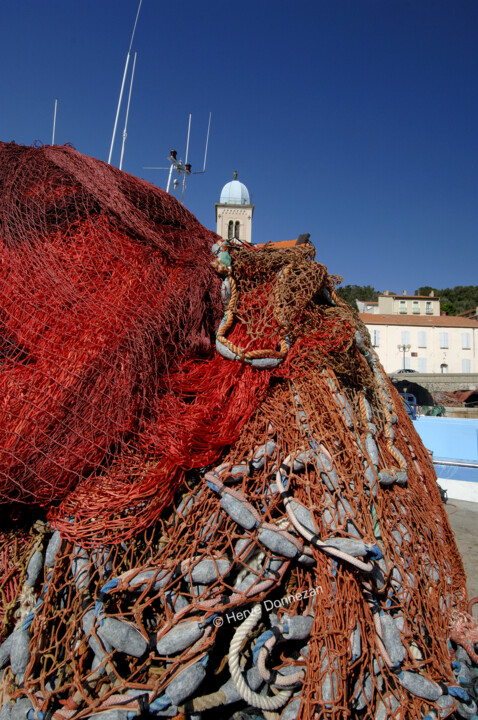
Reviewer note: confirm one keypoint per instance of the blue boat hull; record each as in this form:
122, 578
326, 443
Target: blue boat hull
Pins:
454, 444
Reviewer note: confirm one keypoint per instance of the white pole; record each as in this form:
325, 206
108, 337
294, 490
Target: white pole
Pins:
187, 142
207, 142
118, 108
134, 28
169, 176
122, 84
186, 161
127, 112
54, 122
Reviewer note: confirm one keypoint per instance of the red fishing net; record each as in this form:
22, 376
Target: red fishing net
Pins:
254, 531
105, 287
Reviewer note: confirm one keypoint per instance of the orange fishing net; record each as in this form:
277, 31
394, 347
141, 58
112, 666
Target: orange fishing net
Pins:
250, 532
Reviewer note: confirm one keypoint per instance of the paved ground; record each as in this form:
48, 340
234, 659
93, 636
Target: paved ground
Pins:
463, 518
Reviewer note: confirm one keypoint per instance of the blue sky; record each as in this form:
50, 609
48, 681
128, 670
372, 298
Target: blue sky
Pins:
353, 120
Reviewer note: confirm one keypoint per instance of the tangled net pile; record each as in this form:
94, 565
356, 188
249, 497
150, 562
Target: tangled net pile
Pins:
251, 530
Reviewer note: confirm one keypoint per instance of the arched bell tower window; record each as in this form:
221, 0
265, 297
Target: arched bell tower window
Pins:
237, 226
230, 230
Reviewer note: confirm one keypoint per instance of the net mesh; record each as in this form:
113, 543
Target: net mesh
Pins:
254, 531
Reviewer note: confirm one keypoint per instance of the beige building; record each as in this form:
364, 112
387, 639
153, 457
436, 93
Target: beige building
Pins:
427, 343
390, 304
234, 212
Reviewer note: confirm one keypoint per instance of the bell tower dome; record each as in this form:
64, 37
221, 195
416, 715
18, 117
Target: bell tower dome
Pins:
234, 212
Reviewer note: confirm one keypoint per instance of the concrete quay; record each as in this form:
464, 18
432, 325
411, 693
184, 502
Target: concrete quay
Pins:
463, 517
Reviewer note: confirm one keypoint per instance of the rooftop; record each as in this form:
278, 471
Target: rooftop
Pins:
403, 296
419, 320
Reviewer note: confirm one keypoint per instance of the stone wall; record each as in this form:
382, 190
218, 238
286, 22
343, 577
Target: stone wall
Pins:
434, 382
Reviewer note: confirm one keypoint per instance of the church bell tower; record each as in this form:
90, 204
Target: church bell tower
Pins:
234, 212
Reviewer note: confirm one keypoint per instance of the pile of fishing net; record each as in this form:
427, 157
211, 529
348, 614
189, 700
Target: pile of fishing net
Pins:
215, 502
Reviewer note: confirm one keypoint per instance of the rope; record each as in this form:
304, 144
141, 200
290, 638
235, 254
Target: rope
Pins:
241, 353
279, 680
310, 537
206, 702
253, 698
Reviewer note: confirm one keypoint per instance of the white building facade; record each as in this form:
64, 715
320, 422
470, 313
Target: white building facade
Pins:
427, 344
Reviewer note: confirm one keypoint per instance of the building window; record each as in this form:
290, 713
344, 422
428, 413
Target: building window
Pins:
405, 337
422, 365
230, 230
402, 307
422, 339
415, 307
375, 337
443, 368
429, 307
466, 365
465, 342
236, 229
444, 340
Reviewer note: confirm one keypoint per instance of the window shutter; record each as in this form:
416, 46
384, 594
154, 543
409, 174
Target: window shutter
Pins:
422, 365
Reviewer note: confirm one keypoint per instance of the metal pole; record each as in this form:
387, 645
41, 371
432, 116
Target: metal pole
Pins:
404, 349
122, 84
134, 27
207, 142
118, 108
186, 161
127, 112
54, 122
455, 463
169, 176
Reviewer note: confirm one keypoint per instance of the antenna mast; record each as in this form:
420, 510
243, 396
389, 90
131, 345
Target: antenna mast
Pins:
122, 84
54, 122
187, 168
179, 166
207, 142
127, 112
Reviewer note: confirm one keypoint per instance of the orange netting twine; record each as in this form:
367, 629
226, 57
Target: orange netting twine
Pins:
255, 532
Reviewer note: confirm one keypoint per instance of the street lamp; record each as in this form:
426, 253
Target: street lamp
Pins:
404, 349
